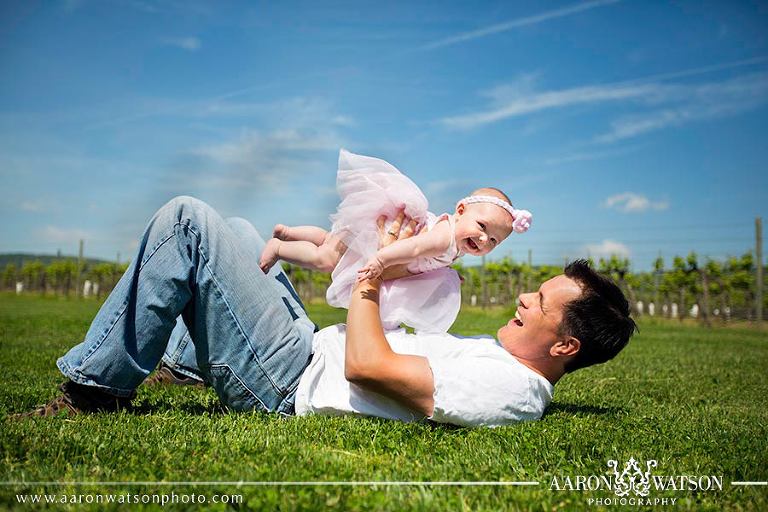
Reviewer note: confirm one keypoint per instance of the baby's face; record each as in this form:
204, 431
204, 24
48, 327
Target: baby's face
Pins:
480, 227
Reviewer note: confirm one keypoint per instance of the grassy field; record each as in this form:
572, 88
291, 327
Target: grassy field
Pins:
692, 399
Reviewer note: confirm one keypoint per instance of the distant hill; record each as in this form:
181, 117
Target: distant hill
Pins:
19, 258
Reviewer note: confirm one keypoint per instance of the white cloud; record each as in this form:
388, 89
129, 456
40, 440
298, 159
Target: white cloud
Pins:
521, 86
304, 111
63, 235
185, 43
253, 146
291, 112
234, 168
698, 103
264, 162
303, 128
700, 70
630, 202
606, 249
683, 103
518, 22
32, 206
521, 104
589, 155
343, 121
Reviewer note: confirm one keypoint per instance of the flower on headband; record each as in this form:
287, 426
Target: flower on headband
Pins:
522, 221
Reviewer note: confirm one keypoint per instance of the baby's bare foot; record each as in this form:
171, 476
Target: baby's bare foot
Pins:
269, 255
280, 232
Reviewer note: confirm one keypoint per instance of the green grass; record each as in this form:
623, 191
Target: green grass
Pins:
691, 398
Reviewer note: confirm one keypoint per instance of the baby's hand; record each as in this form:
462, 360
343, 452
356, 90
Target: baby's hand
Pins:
371, 270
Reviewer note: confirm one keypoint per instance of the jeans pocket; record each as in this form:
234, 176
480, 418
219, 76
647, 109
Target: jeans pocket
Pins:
232, 390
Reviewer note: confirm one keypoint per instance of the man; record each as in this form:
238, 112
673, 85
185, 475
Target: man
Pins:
255, 345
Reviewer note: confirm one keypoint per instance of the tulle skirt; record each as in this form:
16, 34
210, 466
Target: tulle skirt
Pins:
370, 187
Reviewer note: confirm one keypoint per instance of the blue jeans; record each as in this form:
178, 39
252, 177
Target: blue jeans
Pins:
180, 352
251, 336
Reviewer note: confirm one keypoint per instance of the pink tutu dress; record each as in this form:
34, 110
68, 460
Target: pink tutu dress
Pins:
369, 187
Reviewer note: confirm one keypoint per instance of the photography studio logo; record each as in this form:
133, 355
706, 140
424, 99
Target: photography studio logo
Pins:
632, 479
634, 483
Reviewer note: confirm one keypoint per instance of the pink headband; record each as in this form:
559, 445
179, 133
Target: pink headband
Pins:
521, 219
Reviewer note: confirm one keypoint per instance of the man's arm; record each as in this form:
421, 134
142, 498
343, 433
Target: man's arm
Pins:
370, 361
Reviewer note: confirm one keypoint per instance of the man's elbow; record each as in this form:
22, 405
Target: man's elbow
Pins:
360, 373
351, 373
356, 374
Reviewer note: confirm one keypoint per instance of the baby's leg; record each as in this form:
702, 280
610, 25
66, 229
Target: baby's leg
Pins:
304, 254
306, 239
312, 234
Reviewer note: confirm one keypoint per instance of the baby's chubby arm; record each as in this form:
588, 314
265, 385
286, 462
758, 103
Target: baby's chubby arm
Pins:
431, 243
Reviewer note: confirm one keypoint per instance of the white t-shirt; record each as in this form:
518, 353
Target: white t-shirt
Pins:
476, 381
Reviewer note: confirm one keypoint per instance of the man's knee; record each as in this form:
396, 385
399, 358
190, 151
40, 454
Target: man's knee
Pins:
185, 208
186, 202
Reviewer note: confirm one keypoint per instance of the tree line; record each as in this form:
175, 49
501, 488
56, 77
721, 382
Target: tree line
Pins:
682, 287
61, 277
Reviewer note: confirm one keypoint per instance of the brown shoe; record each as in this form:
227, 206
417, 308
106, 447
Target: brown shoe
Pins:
79, 399
166, 376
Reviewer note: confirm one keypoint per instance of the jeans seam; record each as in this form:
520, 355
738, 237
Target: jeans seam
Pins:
107, 332
176, 367
241, 382
180, 348
240, 329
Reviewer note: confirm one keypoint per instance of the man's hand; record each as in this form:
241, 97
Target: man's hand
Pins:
402, 228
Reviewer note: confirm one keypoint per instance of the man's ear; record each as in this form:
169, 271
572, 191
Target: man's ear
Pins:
567, 346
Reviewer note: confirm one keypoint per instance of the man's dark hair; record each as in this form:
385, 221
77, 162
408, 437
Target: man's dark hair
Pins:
599, 318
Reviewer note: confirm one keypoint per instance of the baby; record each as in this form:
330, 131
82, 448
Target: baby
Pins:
369, 188
481, 221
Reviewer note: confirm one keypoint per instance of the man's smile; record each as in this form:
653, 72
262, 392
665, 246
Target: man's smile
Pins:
515, 321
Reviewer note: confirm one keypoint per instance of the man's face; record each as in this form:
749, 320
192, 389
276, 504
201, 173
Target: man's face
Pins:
533, 330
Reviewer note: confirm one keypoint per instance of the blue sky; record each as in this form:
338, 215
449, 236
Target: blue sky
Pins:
624, 126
